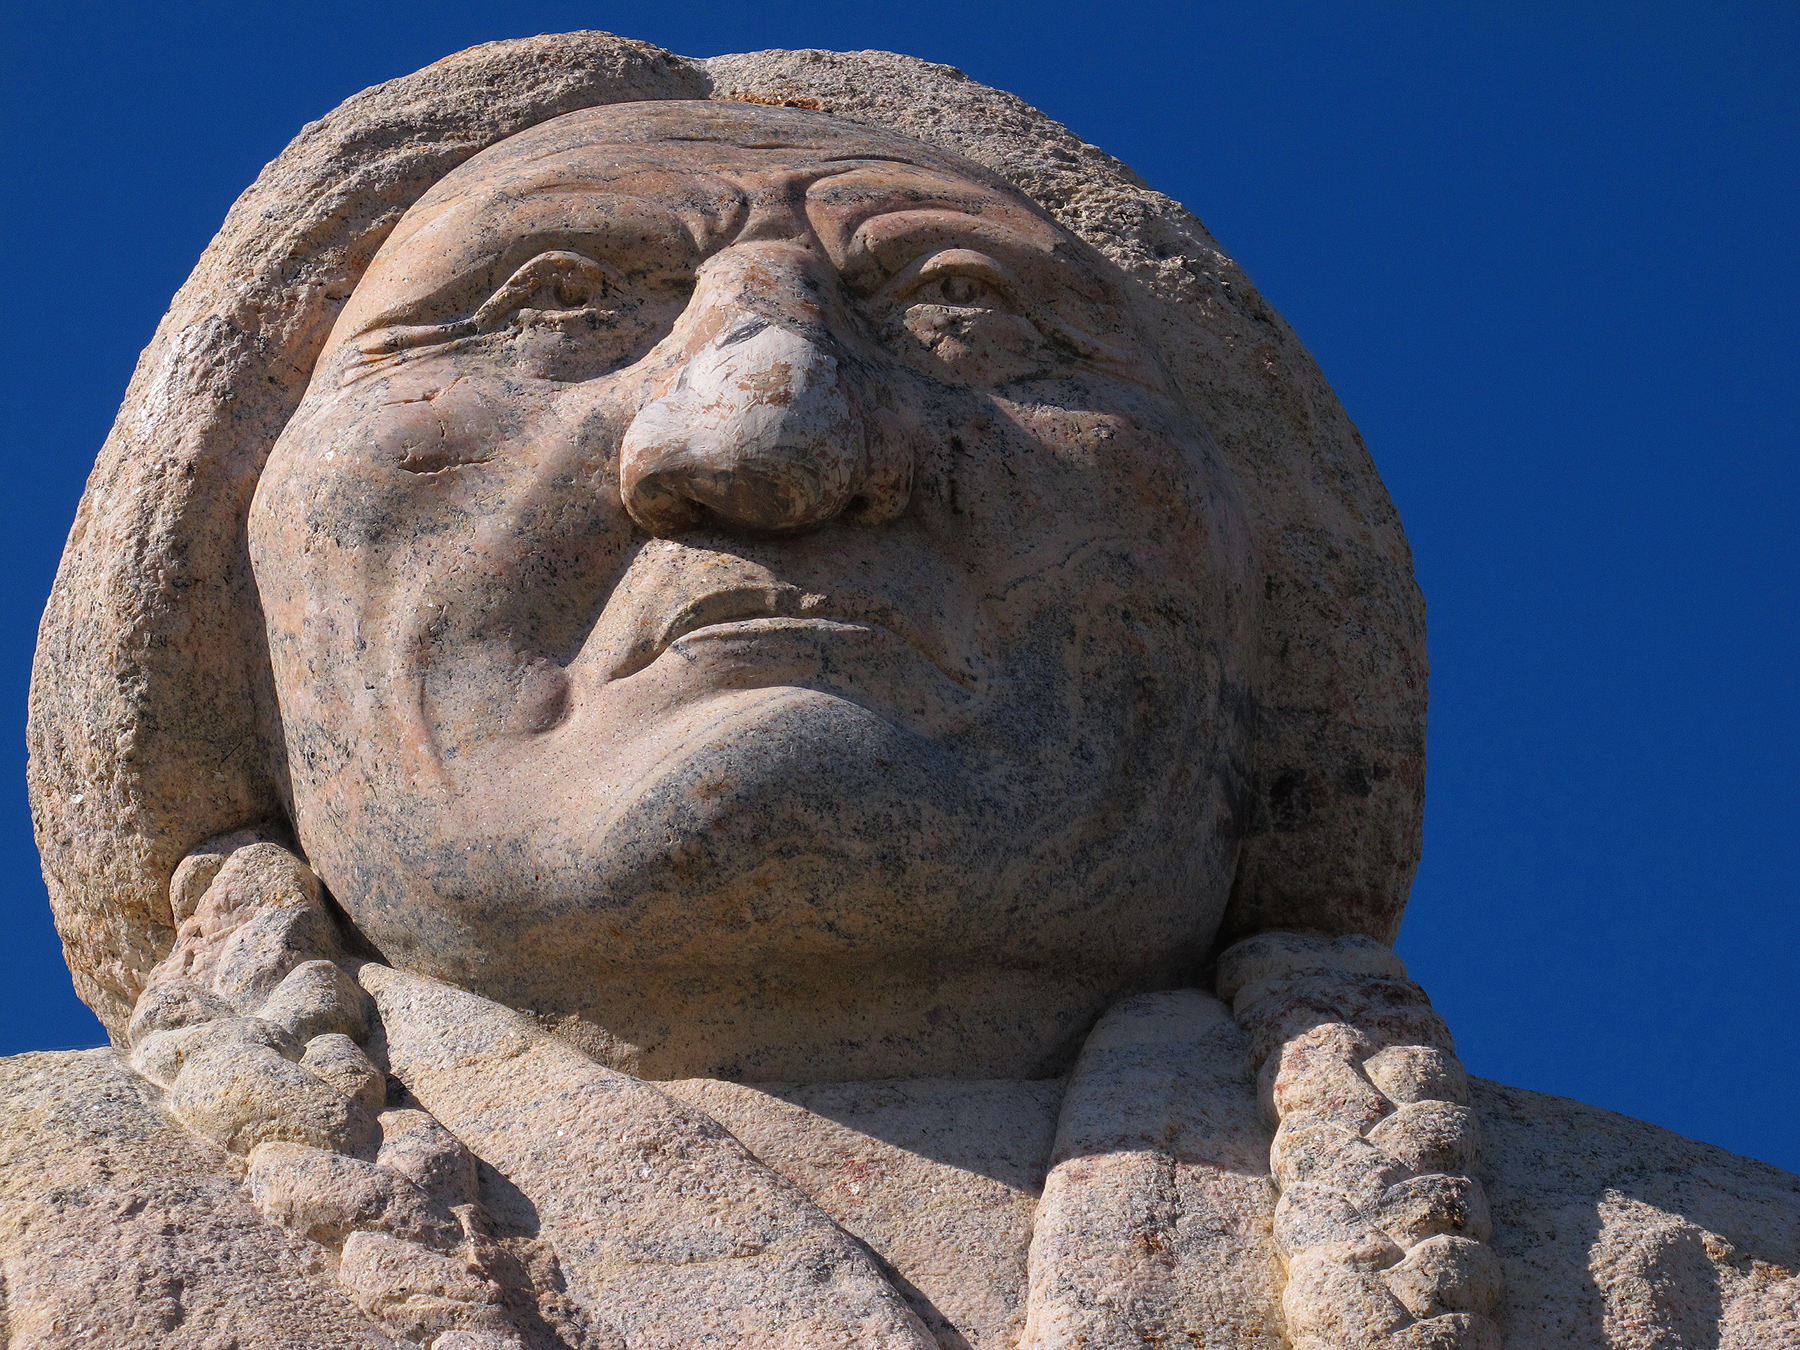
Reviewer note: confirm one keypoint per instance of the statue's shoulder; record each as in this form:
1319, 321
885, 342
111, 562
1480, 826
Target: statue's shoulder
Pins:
119, 1229
1617, 1232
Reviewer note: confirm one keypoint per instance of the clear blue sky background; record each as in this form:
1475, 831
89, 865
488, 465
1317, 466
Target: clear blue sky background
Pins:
1544, 251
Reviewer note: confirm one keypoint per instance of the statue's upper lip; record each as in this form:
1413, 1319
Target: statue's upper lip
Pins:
736, 604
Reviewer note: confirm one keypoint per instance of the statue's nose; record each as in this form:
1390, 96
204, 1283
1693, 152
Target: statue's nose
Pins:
764, 428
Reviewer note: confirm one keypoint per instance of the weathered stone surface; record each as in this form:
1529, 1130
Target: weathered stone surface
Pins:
146, 730
142, 735
668, 1233
1614, 1232
1155, 1219
120, 1230
940, 1177
668, 678
123, 1230
748, 534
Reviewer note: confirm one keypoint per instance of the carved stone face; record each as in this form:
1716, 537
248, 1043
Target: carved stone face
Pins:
733, 569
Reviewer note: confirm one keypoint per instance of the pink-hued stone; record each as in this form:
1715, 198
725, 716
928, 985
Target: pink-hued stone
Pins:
674, 690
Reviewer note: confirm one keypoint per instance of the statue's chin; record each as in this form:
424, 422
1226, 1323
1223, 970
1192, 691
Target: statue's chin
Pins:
782, 849
760, 826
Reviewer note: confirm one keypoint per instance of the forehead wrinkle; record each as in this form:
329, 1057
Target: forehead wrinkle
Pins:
618, 179
735, 191
824, 151
859, 201
984, 231
565, 207
715, 144
708, 184
705, 216
679, 124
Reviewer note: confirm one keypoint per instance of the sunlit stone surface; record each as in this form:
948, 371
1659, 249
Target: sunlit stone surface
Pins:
758, 703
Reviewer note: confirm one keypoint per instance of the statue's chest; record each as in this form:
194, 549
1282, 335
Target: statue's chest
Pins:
940, 1178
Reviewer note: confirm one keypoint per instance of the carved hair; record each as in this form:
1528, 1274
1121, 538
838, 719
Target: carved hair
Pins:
266, 1046
1381, 1227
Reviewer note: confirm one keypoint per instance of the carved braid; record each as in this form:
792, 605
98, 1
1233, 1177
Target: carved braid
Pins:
262, 1041
1381, 1227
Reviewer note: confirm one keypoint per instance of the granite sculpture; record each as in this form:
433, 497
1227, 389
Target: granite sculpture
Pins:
758, 702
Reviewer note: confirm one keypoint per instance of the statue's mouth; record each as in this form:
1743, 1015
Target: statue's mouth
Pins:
774, 614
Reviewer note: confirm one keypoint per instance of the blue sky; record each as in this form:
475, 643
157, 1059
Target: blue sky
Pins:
1544, 252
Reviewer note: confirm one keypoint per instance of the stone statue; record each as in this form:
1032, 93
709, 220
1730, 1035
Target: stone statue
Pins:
758, 703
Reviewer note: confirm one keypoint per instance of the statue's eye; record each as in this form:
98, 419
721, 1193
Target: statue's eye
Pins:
562, 316
573, 292
963, 292
958, 278
555, 285
552, 283
959, 314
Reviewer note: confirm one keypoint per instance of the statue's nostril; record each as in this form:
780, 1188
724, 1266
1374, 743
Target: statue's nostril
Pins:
743, 333
792, 497
657, 502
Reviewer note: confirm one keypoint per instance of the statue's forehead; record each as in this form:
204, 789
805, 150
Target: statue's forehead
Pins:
707, 190
663, 181
704, 163
696, 135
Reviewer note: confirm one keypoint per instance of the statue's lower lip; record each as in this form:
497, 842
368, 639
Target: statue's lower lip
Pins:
772, 629
855, 660
775, 633
749, 628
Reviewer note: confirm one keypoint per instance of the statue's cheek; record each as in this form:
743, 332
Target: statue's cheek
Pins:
428, 556
1132, 472
401, 464
980, 348
427, 436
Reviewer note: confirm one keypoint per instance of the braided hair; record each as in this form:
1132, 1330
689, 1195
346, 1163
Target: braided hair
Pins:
266, 1046
1381, 1226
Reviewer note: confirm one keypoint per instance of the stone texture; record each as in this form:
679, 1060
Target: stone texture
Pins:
667, 1232
940, 1177
1614, 1232
1155, 1221
668, 702
122, 1229
141, 732
124, 1232
689, 638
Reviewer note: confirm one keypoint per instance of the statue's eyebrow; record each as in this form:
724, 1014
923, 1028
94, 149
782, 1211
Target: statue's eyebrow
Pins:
810, 151
1061, 287
853, 160
924, 181
905, 230
463, 282
841, 206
